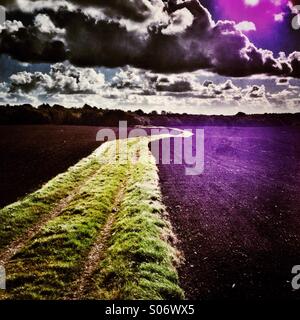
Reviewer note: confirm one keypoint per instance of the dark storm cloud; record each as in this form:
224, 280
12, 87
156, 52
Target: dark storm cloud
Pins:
151, 83
31, 45
135, 9
103, 43
92, 41
6, 2
294, 59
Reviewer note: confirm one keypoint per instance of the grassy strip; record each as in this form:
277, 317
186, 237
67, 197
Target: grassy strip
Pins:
49, 265
15, 219
140, 261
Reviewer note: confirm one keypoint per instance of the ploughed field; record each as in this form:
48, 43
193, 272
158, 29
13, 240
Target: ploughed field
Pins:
31, 155
100, 230
239, 221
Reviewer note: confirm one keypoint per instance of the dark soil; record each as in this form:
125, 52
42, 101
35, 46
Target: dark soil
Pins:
32, 155
239, 221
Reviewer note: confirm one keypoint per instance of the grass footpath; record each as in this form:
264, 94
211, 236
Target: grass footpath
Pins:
110, 240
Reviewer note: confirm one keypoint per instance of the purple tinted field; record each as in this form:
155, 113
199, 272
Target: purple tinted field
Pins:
239, 222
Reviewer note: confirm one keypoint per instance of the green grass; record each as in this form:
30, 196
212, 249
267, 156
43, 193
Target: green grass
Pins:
140, 259
15, 219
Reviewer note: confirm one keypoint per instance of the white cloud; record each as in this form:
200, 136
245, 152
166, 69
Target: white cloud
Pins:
133, 89
279, 17
11, 26
61, 79
252, 3
246, 26
45, 25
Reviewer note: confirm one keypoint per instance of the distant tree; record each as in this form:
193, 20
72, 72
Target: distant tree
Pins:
240, 114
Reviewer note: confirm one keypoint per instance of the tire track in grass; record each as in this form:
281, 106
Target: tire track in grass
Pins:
24, 216
97, 252
114, 235
50, 263
141, 257
21, 242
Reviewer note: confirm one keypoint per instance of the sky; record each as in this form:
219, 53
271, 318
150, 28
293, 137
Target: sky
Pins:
210, 56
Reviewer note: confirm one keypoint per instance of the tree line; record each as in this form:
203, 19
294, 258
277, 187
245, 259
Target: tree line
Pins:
93, 116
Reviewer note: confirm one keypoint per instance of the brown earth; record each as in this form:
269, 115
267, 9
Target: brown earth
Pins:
32, 155
239, 221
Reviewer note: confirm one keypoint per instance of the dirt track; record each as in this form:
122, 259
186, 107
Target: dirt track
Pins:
239, 222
